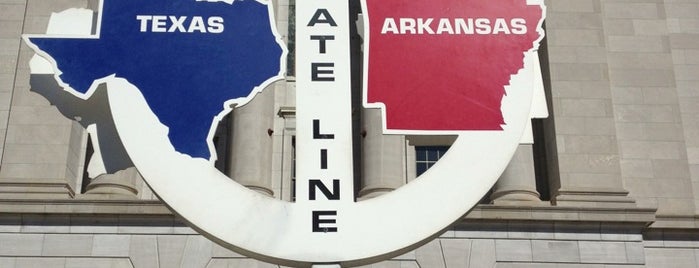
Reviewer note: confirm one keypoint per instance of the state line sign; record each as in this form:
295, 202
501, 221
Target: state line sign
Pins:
169, 70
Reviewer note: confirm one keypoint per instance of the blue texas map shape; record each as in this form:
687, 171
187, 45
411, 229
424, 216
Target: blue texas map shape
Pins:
186, 57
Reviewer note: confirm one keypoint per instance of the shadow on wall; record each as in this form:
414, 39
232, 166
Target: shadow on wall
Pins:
93, 111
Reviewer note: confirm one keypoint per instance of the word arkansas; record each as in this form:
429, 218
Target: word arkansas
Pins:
180, 24
454, 26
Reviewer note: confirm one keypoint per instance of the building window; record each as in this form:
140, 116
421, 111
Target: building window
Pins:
426, 156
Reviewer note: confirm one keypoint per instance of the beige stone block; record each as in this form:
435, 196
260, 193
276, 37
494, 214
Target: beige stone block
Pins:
641, 187
197, 251
649, 44
171, 250
578, 71
144, 251
8, 63
573, 6
575, 37
574, 20
664, 132
11, 12
9, 46
34, 262
684, 41
650, 27
38, 134
456, 252
690, 56
562, 89
651, 150
673, 169
9, 262
631, 131
627, 95
586, 107
571, 126
647, 113
633, 60
55, 245
31, 153
681, 10
98, 263
627, 10
675, 206
482, 253
635, 253
430, 254
21, 244
513, 250
584, 163
693, 155
35, 172
38, 115
686, 72
610, 180
602, 252
111, 245
659, 257
562, 54
591, 144
6, 82
574, 231
11, 28
555, 251
642, 77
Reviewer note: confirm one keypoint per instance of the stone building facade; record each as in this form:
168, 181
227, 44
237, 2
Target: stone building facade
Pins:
611, 178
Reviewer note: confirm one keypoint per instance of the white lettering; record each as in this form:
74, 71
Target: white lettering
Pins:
466, 26
180, 24
501, 26
144, 22
215, 24
159, 23
519, 26
423, 26
177, 24
197, 24
389, 25
483, 26
407, 25
444, 27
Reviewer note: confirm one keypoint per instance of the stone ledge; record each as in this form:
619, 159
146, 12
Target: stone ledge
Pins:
540, 213
84, 206
676, 222
644, 216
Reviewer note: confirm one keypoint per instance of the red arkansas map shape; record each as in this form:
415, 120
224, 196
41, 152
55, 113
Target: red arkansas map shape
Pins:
442, 65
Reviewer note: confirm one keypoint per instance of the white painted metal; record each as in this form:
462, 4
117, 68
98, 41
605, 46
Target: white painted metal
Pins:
279, 231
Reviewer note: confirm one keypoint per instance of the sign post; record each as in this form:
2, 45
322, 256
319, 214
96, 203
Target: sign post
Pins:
324, 167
